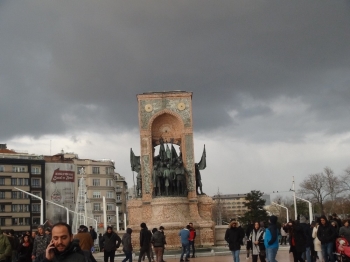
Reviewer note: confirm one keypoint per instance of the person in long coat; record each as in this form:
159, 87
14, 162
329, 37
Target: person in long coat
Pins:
234, 237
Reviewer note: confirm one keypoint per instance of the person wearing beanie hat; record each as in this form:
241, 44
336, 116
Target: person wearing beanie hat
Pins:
110, 245
271, 239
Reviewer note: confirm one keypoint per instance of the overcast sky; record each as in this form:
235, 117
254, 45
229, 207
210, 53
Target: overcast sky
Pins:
270, 82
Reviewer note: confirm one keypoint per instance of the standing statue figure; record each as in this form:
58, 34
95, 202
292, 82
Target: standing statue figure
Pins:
138, 185
200, 166
166, 176
180, 179
157, 180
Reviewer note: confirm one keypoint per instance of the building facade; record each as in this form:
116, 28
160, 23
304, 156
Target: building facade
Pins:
20, 211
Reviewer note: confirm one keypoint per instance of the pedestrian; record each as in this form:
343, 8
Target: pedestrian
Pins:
85, 241
161, 229
249, 230
100, 241
93, 233
271, 239
308, 238
192, 238
297, 241
185, 243
284, 235
257, 239
158, 241
62, 248
234, 237
5, 247
25, 250
48, 234
326, 233
344, 231
111, 242
317, 242
39, 246
145, 242
127, 245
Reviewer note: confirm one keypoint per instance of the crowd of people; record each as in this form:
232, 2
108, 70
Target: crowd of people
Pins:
311, 242
263, 242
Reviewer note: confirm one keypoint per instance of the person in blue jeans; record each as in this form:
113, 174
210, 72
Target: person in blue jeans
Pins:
184, 236
326, 233
271, 239
234, 237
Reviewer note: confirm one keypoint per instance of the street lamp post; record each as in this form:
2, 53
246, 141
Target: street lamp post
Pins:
41, 201
282, 207
62, 207
310, 208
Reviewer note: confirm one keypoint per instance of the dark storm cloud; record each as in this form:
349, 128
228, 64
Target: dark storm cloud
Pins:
78, 65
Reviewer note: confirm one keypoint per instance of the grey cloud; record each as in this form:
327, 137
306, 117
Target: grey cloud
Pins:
60, 58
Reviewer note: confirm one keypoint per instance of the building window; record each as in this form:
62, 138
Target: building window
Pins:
2, 221
35, 207
14, 221
18, 169
80, 170
109, 194
35, 182
37, 193
96, 194
14, 195
36, 170
118, 189
96, 170
97, 207
36, 220
81, 208
26, 208
2, 208
26, 181
13, 181
20, 181
2, 169
109, 219
2, 195
2, 181
26, 220
96, 182
98, 219
14, 208
109, 207
109, 182
109, 170
118, 197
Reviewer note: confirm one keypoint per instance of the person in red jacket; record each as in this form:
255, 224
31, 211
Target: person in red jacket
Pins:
191, 239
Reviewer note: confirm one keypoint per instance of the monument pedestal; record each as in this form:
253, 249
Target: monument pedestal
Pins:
173, 213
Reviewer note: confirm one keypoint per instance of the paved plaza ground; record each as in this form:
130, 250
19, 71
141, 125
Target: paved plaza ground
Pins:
282, 256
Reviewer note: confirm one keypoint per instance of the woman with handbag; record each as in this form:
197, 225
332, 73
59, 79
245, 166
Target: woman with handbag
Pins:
257, 240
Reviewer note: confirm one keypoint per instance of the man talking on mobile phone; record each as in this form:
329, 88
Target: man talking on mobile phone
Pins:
62, 248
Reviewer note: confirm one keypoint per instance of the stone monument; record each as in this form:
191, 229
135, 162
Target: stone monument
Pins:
169, 190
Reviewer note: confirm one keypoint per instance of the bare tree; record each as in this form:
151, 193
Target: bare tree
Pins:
345, 180
316, 186
334, 186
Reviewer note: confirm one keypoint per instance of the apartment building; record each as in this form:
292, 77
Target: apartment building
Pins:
101, 181
19, 211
